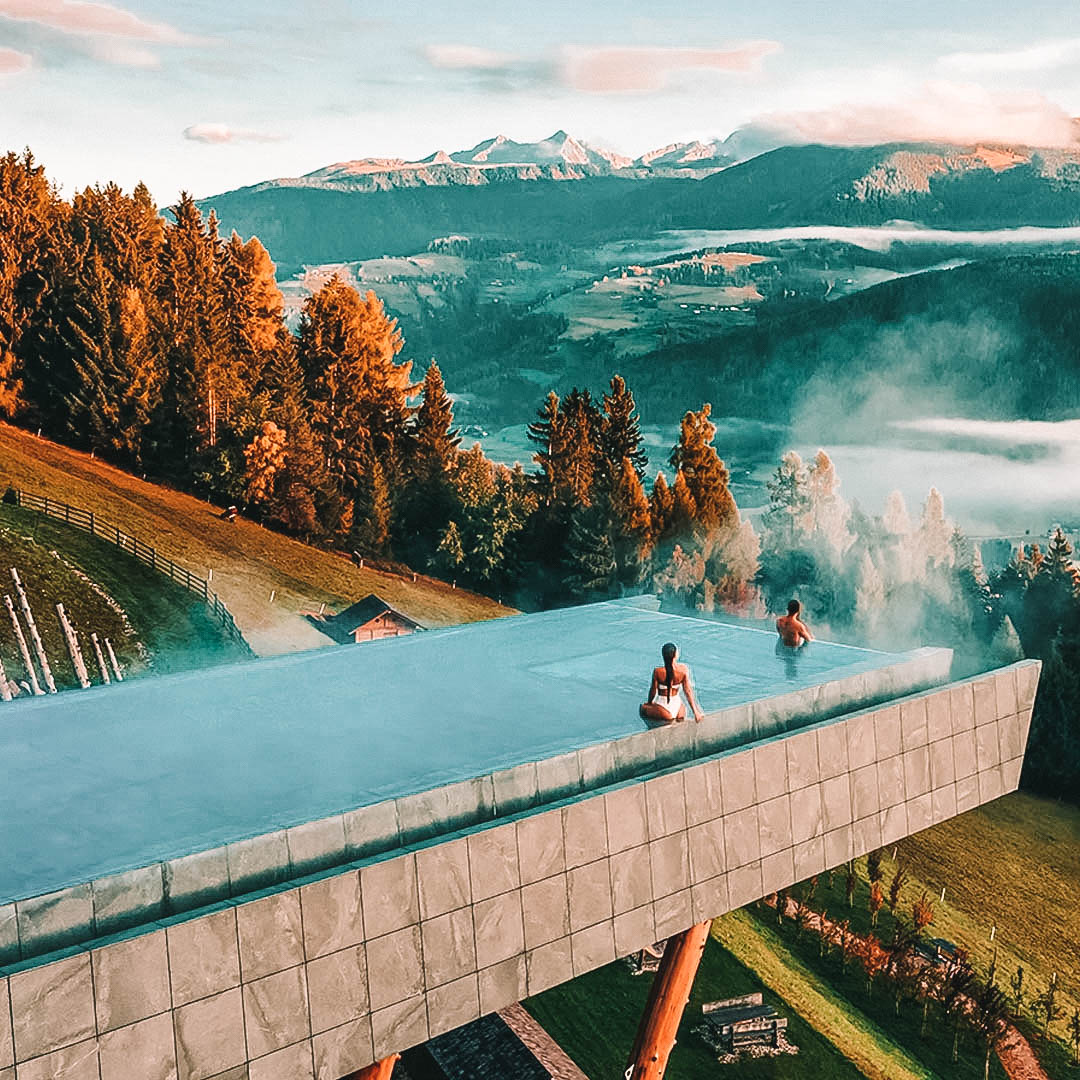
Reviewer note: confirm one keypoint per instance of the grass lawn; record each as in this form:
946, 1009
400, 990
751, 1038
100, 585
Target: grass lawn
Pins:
248, 561
875, 1013
861, 1039
595, 1017
1014, 864
160, 625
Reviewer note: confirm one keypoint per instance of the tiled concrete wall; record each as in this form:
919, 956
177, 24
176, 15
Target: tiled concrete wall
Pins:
319, 977
41, 924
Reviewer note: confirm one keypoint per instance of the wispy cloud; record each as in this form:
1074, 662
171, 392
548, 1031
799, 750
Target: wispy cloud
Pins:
219, 134
1041, 56
596, 69
12, 61
468, 58
88, 17
104, 31
619, 69
939, 112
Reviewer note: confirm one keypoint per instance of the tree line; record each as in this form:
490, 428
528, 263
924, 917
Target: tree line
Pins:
165, 348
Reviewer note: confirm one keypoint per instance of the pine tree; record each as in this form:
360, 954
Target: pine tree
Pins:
30, 218
196, 351
935, 532
706, 477
620, 432
661, 505
630, 526
546, 432
302, 499
450, 554
264, 458
428, 501
829, 513
581, 447
786, 520
590, 557
358, 394
1052, 600
434, 440
372, 511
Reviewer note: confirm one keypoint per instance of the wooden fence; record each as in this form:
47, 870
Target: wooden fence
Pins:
89, 522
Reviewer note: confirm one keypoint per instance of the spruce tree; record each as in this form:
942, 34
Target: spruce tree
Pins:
434, 439
705, 474
620, 431
196, 349
630, 526
590, 557
358, 394
661, 505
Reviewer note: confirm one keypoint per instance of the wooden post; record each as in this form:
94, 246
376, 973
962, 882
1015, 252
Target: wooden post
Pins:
117, 673
381, 1070
5, 693
23, 650
100, 659
668, 996
35, 637
73, 648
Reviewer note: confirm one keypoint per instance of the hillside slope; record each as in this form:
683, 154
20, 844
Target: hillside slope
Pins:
958, 187
152, 623
1000, 337
248, 561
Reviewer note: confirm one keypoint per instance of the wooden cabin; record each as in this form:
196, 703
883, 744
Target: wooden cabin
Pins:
367, 620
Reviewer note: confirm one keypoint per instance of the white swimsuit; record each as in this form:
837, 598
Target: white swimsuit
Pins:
668, 698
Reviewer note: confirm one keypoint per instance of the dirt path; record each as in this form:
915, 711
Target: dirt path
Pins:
1015, 1053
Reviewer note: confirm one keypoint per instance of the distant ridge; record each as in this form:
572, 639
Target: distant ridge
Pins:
561, 186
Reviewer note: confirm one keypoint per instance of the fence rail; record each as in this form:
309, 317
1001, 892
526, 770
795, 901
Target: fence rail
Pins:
145, 553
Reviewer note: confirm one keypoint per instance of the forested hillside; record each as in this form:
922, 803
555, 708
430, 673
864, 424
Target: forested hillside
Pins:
999, 338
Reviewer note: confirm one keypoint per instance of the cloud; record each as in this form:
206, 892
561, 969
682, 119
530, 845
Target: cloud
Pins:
467, 58
219, 134
1042, 56
618, 69
86, 17
939, 112
12, 62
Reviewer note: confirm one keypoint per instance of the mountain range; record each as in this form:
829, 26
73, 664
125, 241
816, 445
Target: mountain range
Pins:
561, 187
558, 157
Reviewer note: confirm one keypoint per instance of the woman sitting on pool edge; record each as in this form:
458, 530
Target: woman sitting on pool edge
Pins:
665, 704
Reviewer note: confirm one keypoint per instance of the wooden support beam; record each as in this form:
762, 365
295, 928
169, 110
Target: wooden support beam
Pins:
381, 1070
35, 637
117, 673
100, 659
5, 692
73, 648
664, 1009
24, 652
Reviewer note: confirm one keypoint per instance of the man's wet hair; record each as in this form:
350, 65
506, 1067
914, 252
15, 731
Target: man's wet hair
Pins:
793, 607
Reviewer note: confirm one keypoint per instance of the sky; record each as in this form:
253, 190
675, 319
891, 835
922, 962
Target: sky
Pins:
209, 96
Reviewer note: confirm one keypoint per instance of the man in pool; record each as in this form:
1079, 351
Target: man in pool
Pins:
794, 633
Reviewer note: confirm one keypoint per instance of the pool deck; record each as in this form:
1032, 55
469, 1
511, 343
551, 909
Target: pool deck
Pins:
114, 778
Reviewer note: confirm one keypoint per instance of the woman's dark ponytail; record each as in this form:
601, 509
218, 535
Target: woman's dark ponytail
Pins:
668, 652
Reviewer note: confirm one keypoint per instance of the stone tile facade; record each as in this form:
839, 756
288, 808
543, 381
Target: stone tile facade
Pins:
318, 976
